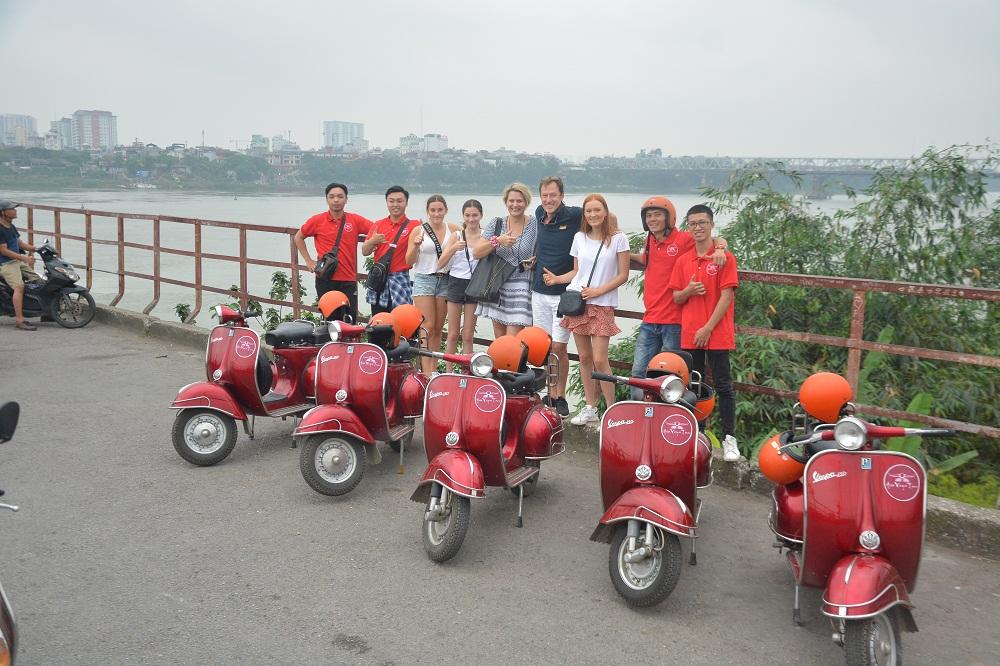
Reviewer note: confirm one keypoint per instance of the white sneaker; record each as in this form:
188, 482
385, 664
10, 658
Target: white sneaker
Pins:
730, 452
587, 415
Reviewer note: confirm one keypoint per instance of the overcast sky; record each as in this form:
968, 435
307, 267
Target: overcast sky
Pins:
765, 78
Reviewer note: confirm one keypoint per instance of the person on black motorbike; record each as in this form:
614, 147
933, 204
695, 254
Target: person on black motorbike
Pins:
15, 267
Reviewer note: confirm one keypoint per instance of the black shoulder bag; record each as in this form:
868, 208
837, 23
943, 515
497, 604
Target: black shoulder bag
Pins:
326, 265
378, 276
571, 302
490, 274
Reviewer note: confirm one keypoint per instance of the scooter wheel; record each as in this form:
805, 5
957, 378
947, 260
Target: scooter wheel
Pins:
873, 641
74, 310
648, 581
332, 465
443, 538
203, 437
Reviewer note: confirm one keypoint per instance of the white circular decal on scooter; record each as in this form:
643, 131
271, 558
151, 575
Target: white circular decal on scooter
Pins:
370, 362
901, 482
676, 430
488, 399
642, 472
451, 439
246, 346
341, 395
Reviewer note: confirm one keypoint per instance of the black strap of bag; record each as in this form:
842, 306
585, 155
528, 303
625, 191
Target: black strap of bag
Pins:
430, 232
594, 267
387, 260
330, 259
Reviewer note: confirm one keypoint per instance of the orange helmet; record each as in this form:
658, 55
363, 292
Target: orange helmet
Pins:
408, 318
823, 395
332, 301
776, 465
662, 203
508, 353
668, 363
538, 342
705, 403
383, 319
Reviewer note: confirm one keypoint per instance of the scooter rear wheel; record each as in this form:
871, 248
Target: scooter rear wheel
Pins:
74, 310
873, 641
203, 437
443, 538
648, 581
332, 465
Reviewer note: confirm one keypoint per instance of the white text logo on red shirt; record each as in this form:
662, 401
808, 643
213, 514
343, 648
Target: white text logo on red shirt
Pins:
712, 269
348, 226
672, 250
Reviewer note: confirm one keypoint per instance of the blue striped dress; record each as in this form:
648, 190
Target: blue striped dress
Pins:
514, 308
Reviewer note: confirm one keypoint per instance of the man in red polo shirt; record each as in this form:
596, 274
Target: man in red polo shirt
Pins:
335, 229
392, 233
660, 329
705, 293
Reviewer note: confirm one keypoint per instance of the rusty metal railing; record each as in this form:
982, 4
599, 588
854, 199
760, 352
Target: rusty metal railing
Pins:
854, 342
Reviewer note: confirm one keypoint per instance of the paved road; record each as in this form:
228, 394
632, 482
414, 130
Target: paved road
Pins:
122, 553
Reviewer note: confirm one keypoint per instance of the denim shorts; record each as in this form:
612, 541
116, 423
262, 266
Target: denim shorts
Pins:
429, 285
456, 290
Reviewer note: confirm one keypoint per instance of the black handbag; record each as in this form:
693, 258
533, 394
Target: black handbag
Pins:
326, 265
378, 274
571, 302
489, 275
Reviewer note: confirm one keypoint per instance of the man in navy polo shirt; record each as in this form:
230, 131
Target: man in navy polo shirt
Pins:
557, 224
15, 267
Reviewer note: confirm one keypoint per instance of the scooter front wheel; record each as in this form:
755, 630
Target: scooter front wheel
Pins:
73, 310
874, 640
203, 437
332, 465
650, 580
445, 525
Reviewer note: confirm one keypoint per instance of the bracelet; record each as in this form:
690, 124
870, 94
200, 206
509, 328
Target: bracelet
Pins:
494, 241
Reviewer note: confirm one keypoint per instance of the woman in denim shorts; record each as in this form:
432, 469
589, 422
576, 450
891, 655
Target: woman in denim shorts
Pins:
457, 259
430, 283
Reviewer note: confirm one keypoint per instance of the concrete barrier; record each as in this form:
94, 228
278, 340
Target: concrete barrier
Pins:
970, 528
186, 335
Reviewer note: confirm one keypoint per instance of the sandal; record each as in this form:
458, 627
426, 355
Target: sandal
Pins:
25, 326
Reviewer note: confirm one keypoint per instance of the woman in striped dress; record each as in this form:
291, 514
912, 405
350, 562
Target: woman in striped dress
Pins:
513, 239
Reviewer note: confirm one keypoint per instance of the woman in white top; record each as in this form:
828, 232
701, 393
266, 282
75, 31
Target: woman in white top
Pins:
457, 259
424, 249
600, 265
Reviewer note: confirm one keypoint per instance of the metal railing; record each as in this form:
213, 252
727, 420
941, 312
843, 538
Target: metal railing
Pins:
854, 342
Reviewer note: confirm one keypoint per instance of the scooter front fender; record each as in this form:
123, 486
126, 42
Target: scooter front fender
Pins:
457, 470
650, 504
861, 586
333, 418
206, 395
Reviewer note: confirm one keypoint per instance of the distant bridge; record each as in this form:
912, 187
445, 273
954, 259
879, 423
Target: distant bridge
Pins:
805, 164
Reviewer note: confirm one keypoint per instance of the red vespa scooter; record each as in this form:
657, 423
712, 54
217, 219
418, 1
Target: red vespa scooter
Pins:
851, 517
9, 413
653, 460
242, 384
485, 428
365, 393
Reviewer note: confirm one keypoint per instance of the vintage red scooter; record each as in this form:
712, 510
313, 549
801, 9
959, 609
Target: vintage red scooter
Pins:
243, 384
653, 460
366, 392
9, 413
851, 516
487, 428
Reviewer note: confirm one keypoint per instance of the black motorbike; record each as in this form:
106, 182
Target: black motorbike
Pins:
8, 627
57, 297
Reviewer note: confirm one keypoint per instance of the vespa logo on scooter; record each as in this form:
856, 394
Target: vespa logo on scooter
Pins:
370, 362
614, 424
488, 399
901, 483
676, 430
246, 346
436, 394
817, 477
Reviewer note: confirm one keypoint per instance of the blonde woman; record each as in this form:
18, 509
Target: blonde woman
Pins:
600, 265
513, 239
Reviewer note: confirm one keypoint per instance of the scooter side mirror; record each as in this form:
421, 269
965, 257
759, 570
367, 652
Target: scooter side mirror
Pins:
9, 414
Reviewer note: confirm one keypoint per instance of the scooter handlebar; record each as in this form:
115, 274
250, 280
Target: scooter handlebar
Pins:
602, 377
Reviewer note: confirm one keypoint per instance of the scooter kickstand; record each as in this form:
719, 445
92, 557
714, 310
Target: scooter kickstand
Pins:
693, 560
796, 613
520, 501
402, 468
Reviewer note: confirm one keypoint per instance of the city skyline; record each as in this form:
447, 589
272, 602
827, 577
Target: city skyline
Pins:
725, 78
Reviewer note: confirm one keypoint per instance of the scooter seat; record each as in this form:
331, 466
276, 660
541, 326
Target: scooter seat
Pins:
400, 353
290, 333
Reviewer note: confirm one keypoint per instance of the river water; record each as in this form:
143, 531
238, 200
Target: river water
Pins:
280, 210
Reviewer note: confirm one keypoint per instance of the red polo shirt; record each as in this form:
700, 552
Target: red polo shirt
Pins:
324, 229
657, 297
386, 226
697, 310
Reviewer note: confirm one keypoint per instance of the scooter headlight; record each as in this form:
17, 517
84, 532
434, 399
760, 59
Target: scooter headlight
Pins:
850, 433
671, 389
481, 364
67, 271
334, 329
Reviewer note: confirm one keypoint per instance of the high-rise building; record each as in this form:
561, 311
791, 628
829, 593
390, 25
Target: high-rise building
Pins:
94, 130
411, 143
16, 130
338, 134
281, 144
435, 143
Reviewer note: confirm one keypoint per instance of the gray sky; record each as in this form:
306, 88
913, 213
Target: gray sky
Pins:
765, 78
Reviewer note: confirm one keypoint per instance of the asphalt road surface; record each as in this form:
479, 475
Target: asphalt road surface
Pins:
122, 553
